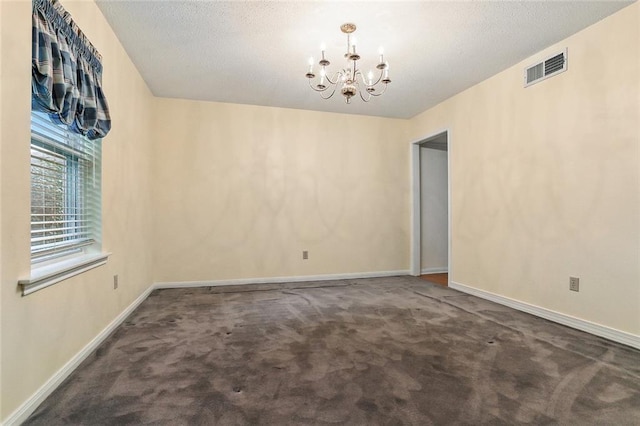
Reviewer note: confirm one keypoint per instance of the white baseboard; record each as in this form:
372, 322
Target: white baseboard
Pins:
441, 270
577, 323
29, 406
272, 280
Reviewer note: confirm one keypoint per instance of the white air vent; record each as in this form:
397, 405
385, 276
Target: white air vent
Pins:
552, 65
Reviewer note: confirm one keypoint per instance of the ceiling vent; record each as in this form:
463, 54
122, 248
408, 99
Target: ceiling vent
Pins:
552, 65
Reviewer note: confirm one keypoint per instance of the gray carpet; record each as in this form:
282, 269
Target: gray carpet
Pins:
384, 351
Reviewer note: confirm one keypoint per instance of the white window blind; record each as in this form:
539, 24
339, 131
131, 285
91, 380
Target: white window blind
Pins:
65, 191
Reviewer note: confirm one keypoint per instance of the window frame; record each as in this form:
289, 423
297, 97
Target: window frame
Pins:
72, 244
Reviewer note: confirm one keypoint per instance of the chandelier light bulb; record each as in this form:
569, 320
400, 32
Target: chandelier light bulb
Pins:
310, 73
386, 79
321, 85
370, 76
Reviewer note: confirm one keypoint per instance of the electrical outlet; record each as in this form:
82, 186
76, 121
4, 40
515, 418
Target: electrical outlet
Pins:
574, 284
305, 254
115, 282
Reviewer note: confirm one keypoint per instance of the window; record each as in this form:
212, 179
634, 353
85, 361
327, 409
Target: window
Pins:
65, 203
65, 191
66, 78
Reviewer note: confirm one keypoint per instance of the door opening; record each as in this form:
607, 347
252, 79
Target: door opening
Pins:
431, 212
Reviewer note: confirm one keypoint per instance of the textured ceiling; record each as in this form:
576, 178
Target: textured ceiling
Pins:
256, 52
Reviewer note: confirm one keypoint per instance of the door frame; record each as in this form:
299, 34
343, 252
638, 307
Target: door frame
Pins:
416, 207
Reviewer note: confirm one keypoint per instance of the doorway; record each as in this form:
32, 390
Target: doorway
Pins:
431, 208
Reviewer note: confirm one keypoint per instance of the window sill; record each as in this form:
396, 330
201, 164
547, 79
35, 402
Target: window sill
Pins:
47, 275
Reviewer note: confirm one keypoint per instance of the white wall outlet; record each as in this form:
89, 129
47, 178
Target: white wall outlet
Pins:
305, 254
115, 282
574, 283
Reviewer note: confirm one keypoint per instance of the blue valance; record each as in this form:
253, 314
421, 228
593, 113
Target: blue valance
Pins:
66, 78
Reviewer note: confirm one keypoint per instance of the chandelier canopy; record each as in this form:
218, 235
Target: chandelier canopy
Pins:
349, 79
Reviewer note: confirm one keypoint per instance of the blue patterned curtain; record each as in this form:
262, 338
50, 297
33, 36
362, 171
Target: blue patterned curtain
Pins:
66, 78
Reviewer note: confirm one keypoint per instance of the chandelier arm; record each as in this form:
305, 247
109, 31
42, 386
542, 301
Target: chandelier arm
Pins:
384, 89
332, 92
336, 76
362, 96
359, 88
379, 78
372, 84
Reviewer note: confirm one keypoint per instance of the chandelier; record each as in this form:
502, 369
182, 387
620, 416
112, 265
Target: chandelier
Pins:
350, 79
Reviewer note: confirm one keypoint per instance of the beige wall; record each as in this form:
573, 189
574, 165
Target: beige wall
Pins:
240, 191
41, 332
545, 179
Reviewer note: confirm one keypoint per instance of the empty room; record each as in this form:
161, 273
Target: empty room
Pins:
319, 212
